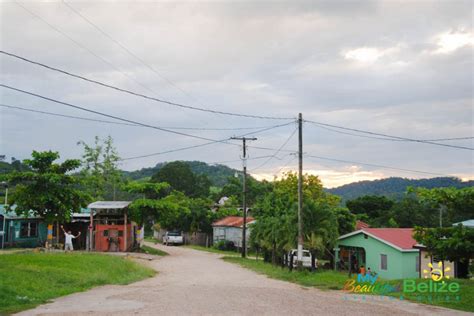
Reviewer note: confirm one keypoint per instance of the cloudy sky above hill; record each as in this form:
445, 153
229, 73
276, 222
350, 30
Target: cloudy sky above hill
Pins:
399, 68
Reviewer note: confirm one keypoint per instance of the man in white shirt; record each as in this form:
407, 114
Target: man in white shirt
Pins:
68, 237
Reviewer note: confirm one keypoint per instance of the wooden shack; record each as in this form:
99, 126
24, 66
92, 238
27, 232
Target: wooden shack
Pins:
111, 230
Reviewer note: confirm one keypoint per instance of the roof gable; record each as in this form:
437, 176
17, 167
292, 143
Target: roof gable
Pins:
398, 238
232, 221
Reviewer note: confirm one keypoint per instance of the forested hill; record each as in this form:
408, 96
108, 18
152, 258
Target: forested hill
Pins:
394, 187
218, 174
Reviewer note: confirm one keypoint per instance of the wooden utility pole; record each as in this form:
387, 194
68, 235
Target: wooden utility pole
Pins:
244, 192
300, 192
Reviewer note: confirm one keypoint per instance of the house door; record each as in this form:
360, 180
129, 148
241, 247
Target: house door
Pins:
113, 240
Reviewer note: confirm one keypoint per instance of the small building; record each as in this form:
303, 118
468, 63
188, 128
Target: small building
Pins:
20, 231
230, 228
389, 252
110, 230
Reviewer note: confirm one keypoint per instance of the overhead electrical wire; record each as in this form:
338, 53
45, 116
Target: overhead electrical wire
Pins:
202, 145
84, 47
276, 152
128, 124
389, 136
143, 95
376, 165
117, 117
125, 49
393, 139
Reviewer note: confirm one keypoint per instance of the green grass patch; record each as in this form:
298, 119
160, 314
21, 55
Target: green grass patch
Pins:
465, 302
153, 251
152, 240
31, 279
333, 280
325, 279
214, 250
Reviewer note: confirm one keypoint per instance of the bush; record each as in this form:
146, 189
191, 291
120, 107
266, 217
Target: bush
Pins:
225, 245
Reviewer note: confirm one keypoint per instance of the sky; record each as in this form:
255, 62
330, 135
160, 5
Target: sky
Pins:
391, 67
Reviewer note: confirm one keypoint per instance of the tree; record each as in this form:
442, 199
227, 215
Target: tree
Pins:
456, 204
146, 207
48, 190
100, 171
275, 230
180, 178
346, 221
255, 189
376, 207
448, 243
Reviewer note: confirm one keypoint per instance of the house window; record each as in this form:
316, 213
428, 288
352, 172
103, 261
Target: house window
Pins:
383, 262
28, 229
417, 263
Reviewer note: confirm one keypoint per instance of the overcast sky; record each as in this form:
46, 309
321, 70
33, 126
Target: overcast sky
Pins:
401, 68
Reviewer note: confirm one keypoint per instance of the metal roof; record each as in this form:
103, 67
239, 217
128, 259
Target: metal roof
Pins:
232, 221
469, 223
101, 205
13, 215
398, 238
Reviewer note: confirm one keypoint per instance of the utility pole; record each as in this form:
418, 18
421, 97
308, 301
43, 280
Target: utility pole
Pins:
244, 191
300, 192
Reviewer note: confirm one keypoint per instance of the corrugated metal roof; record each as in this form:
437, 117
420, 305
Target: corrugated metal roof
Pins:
361, 225
100, 205
13, 215
232, 221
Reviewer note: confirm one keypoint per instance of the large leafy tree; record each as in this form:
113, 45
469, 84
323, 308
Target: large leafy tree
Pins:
448, 243
99, 168
275, 230
48, 189
456, 204
376, 208
180, 177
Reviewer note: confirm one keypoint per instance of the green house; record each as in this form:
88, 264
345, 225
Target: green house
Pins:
389, 252
21, 232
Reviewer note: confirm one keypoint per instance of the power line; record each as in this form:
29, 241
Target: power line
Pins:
83, 47
392, 139
127, 124
390, 136
124, 48
203, 144
377, 165
112, 116
143, 95
276, 152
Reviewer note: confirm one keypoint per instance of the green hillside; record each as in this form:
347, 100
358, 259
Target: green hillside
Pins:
218, 174
394, 187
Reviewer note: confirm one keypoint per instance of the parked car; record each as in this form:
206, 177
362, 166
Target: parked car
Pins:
173, 238
306, 258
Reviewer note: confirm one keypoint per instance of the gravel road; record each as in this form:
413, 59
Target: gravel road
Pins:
192, 282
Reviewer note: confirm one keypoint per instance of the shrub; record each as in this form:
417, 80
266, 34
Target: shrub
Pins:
225, 245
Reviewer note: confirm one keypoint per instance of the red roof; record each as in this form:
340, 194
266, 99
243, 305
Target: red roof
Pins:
399, 237
232, 221
360, 225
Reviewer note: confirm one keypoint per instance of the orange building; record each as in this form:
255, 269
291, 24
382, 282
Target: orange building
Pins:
111, 230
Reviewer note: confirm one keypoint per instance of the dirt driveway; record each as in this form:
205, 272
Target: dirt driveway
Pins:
192, 282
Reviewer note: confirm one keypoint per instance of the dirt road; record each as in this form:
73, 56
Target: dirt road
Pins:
192, 282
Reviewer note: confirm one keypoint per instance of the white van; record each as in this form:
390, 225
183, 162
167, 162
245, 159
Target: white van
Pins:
306, 258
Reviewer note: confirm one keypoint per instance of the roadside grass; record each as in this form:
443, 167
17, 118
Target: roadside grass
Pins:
153, 251
31, 279
333, 280
214, 250
324, 280
152, 239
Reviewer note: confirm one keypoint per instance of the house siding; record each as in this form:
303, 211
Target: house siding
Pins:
233, 234
399, 264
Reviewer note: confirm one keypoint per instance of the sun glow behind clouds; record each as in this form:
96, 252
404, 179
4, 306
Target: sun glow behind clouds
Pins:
451, 41
364, 54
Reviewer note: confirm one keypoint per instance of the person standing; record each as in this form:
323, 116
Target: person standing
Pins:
68, 237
